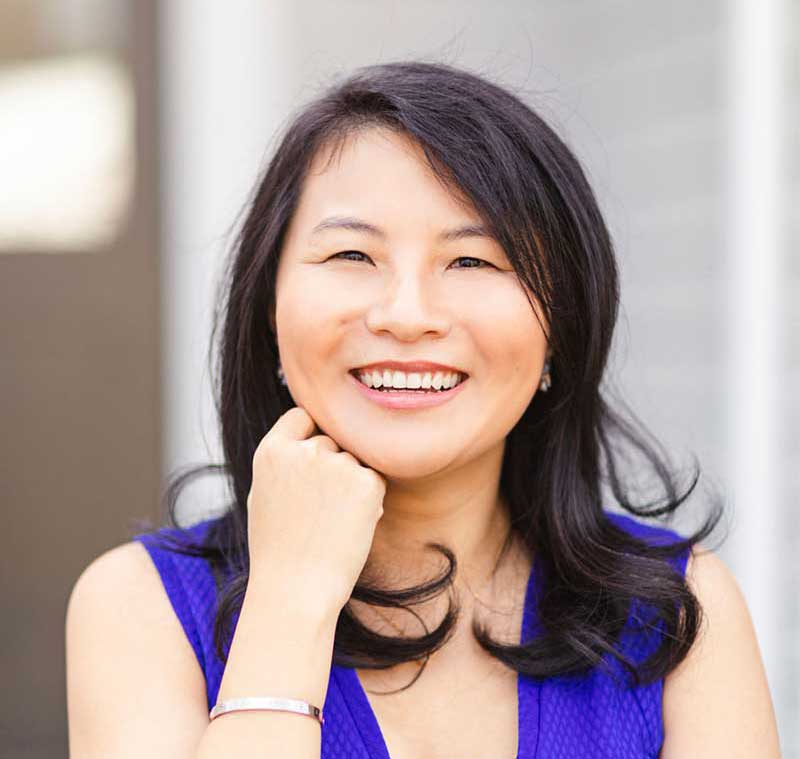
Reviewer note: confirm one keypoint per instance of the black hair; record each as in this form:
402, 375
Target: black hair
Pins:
484, 142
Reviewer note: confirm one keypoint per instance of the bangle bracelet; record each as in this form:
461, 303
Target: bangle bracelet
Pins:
266, 703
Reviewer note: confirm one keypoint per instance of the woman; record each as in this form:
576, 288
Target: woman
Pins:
418, 316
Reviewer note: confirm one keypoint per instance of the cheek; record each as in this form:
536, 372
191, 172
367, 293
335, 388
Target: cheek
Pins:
508, 333
302, 336
303, 311
515, 357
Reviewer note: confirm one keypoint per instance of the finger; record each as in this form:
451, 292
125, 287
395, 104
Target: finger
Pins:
294, 424
353, 459
322, 442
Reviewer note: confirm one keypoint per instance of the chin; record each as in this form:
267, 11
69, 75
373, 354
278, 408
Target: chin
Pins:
401, 467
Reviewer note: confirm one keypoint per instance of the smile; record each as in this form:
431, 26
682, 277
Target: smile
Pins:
408, 398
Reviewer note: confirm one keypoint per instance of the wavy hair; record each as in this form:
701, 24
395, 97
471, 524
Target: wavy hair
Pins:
483, 141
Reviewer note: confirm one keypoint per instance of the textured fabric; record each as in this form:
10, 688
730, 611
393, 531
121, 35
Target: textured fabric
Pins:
561, 718
192, 591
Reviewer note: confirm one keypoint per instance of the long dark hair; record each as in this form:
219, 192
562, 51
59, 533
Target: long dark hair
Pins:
529, 188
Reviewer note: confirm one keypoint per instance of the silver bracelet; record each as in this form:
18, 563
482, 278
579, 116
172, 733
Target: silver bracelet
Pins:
268, 703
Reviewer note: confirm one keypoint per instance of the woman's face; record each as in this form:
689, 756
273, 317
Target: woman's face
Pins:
403, 293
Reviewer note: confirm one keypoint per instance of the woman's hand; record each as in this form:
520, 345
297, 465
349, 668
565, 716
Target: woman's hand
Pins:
312, 511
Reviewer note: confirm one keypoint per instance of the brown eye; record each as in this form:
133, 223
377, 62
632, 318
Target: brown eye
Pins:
348, 252
471, 258
479, 262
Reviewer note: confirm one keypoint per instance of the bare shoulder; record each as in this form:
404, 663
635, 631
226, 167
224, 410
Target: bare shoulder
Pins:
134, 685
717, 702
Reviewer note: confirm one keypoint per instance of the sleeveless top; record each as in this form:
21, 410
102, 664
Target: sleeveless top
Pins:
558, 718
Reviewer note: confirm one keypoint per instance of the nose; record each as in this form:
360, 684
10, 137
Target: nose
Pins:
408, 309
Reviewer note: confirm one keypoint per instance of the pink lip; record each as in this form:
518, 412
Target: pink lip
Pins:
409, 400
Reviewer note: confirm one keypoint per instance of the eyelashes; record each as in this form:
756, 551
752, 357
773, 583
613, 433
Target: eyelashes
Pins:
483, 264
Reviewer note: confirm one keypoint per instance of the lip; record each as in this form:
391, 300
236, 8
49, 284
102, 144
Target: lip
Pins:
410, 366
410, 400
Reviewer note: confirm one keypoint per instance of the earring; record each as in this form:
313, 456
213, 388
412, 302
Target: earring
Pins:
281, 375
544, 385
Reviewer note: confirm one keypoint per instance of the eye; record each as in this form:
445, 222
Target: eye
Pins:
471, 258
481, 264
347, 252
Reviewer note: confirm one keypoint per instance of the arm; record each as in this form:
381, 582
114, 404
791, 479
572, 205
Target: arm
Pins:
135, 688
283, 646
717, 702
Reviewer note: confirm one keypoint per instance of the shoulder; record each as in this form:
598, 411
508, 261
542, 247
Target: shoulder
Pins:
121, 566
716, 703
123, 579
125, 648
119, 598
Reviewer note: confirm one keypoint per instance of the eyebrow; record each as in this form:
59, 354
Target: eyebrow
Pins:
353, 224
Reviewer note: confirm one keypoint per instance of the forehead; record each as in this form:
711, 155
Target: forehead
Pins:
366, 142
377, 172
367, 149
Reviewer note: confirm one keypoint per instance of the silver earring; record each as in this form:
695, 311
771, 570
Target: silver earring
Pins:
544, 385
281, 375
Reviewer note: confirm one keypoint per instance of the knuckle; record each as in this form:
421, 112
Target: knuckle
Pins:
378, 482
300, 413
348, 457
261, 453
298, 410
315, 446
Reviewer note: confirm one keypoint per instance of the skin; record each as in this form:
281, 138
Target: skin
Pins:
408, 297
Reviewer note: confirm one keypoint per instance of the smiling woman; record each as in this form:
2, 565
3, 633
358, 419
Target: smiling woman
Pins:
401, 296
378, 399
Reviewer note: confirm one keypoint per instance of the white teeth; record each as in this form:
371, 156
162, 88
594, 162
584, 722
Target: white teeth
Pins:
412, 380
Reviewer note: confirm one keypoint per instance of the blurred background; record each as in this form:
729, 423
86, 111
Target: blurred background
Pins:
130, 136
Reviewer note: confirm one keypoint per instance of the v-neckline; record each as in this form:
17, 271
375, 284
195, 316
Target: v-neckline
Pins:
527, 690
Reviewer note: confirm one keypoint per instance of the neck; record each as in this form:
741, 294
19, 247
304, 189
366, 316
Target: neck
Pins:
461, 509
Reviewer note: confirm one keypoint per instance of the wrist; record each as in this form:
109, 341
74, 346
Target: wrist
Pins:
282, 645
295, 596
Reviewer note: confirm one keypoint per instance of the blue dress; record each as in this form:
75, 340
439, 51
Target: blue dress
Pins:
559, 718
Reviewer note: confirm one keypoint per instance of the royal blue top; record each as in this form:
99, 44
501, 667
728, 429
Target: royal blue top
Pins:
558, 718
